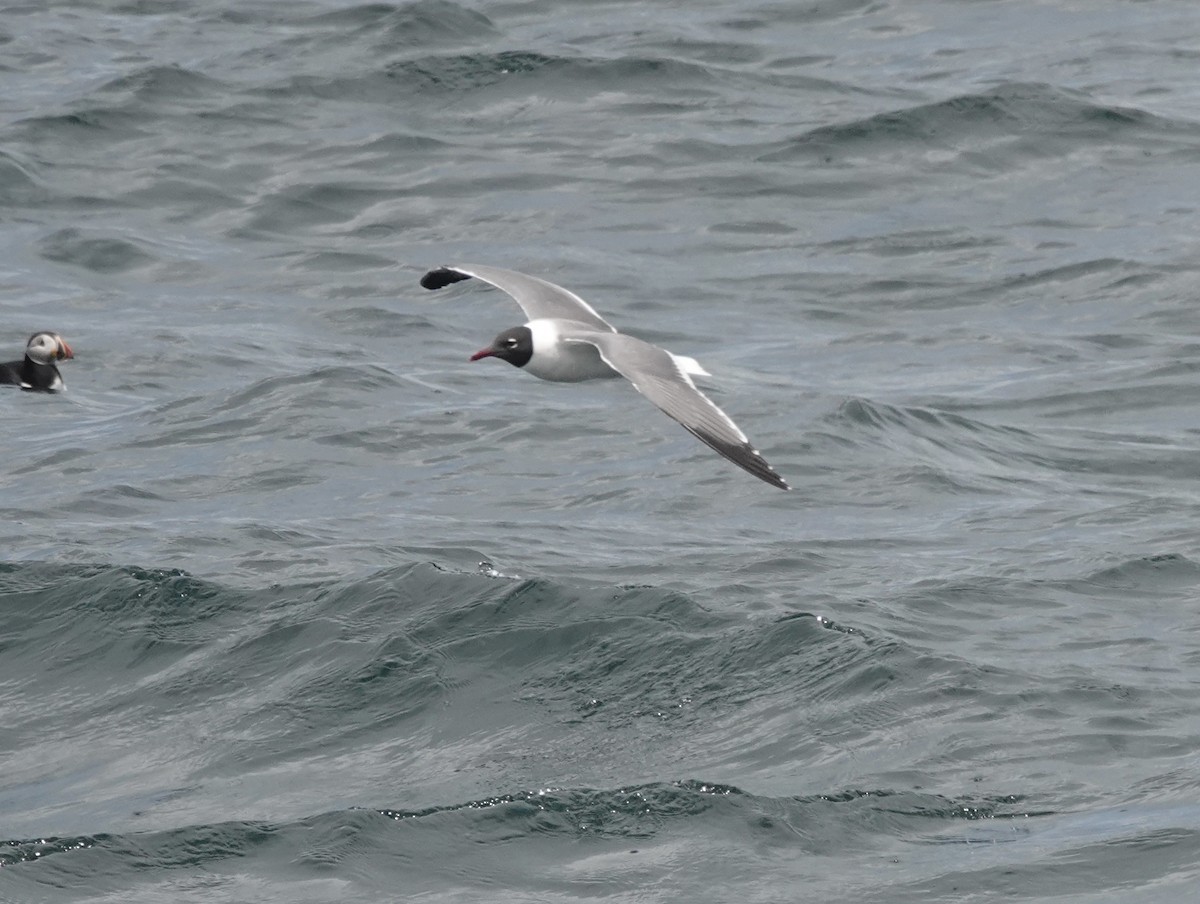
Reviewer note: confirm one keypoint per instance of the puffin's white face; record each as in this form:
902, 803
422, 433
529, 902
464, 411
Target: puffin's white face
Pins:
46, 348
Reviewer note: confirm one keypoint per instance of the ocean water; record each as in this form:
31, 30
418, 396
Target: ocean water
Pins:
296, 604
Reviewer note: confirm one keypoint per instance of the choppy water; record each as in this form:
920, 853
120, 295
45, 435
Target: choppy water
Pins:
942, 258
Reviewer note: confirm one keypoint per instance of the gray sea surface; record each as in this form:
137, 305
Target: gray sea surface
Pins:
941, 258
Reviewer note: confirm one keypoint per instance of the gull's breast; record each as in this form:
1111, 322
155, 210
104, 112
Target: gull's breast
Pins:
564, 362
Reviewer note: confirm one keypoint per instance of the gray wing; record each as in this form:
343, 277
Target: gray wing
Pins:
654, 373
537, 298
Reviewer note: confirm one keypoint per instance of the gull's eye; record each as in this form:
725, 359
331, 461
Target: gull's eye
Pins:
511, 343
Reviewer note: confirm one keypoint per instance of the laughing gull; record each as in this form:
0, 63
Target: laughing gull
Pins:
566, 341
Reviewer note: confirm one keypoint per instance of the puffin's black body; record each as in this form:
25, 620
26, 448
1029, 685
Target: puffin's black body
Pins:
31, 376
37, 372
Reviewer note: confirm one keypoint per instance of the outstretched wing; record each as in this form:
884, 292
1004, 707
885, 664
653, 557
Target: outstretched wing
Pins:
656, 374
537, 298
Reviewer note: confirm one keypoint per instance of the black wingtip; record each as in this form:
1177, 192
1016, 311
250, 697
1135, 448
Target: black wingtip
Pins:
441, 277
771, 476
744, 455
750, 460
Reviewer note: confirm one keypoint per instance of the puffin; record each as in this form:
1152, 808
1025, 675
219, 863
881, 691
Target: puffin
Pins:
37, 372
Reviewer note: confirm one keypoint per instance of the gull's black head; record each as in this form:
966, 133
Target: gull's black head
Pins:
514, 346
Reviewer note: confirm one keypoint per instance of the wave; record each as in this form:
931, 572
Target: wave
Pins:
98, 253
640, 812
407, 662
972, 124
408, 24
